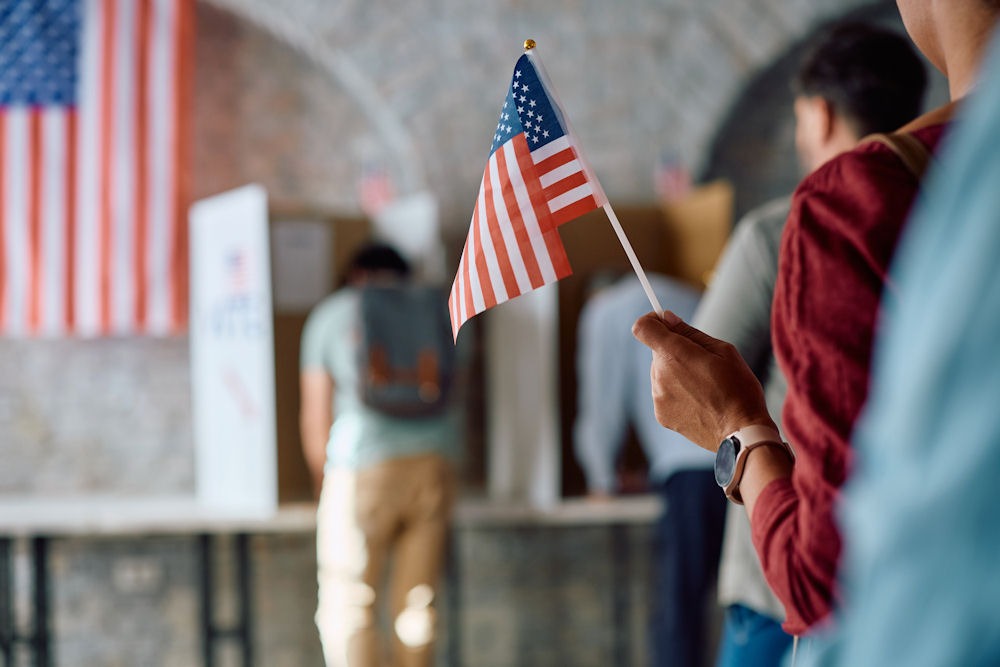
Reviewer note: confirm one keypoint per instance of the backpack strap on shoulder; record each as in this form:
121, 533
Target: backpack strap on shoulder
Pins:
910, 150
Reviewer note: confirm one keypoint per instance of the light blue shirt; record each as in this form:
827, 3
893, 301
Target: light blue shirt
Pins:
920, 516
614, 389
361, 436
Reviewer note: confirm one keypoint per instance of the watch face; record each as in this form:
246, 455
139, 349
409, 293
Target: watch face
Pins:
725, 462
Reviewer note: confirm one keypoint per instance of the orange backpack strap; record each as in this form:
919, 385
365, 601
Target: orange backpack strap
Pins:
908, 148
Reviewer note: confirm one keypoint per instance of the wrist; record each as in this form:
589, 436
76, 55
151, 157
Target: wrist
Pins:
735, 453
763, 466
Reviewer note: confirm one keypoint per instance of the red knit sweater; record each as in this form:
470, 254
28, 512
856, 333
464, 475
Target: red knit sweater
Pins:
845, 220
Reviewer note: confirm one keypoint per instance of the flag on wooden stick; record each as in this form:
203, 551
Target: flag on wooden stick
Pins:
535, 180
92, 150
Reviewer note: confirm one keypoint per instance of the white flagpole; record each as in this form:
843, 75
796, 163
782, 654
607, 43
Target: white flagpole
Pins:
529, 45
653, 301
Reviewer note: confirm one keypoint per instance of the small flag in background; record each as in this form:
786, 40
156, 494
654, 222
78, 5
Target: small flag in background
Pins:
671, 178
375, 189
93, 233
237, 275
534, 181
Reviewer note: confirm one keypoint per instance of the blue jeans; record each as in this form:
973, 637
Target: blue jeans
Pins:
750, 639
686, 550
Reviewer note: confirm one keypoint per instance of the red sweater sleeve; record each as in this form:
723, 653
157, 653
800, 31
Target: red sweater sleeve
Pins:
845, 220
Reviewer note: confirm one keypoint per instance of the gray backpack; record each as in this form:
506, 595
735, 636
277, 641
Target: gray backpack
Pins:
406, 352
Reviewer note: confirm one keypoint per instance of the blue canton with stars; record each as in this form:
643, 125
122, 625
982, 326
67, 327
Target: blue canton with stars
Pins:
39, 45
527, 109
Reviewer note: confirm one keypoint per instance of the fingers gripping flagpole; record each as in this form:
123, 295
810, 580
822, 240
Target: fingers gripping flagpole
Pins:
529, 45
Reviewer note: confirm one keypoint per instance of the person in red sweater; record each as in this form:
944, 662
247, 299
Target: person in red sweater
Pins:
845, 220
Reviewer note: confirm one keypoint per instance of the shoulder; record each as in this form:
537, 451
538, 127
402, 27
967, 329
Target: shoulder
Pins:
767, 216
668, 284
626, 301
672, 293
861, 197
759, 231
335, 304
334, 311
868, 170
859, 174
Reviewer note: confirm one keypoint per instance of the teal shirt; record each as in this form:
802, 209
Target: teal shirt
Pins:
360, 436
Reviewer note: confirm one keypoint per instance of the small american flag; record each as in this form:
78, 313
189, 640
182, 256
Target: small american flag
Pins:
375, 189
93, 239
534, 181
237, 275
671, 178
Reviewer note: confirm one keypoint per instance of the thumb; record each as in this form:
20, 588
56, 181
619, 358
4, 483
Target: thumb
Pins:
652, 331
657, 333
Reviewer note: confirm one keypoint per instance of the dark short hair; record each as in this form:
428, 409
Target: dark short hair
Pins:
872, 76
376, 256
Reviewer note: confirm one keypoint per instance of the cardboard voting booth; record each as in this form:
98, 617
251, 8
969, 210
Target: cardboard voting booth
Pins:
309, 251
695, 231
682, 238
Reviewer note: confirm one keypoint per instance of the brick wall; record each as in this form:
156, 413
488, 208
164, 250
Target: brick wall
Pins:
637, 79
109, 416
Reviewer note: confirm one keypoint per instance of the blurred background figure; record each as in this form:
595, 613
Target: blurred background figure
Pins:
856, 80
385, 481
615, 395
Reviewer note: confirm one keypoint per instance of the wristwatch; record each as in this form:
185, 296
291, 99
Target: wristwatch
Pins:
731, 457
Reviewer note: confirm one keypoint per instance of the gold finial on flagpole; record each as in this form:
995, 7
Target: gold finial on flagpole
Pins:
529, 44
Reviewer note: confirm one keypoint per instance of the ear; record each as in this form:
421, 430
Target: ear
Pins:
827, 119
358, 277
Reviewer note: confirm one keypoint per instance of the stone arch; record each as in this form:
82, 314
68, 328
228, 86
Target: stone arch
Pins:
754, 145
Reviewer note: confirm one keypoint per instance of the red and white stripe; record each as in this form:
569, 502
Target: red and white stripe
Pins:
568, 189
513, 244
93, 238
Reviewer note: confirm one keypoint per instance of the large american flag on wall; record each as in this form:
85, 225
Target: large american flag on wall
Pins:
535, 180
93, 97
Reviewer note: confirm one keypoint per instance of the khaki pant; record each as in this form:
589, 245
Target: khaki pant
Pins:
398, 509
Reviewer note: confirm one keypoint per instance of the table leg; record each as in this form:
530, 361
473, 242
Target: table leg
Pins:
40, 640
244, 579
206, 584
242, 630
6, 602
621, 595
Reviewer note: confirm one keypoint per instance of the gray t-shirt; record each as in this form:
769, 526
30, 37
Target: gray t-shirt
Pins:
361, 436
737, 309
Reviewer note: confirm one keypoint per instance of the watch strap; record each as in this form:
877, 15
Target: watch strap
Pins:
749, 435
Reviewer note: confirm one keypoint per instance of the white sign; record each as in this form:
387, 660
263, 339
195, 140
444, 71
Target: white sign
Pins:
303, 269
232, 353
